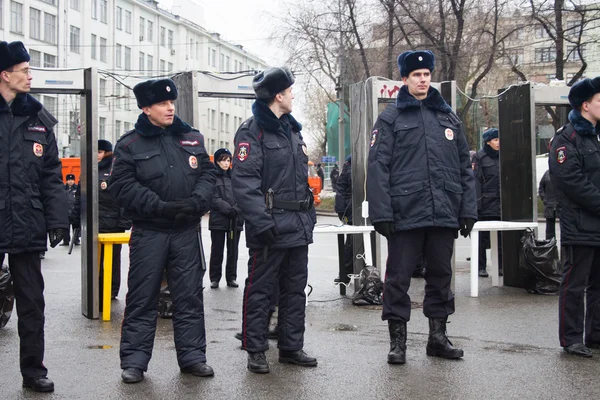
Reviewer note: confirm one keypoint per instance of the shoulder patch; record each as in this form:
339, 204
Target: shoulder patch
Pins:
374, 136
243, 151
561, 154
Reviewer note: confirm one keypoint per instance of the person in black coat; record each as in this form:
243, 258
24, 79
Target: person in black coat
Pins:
163, 178
225, 224
70, 190
33, 204
421, 192
270, 185
547, 193
574, 163
321, 175
343, 208
486, 166
334, 175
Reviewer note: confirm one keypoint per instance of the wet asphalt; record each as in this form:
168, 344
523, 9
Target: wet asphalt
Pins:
509, 338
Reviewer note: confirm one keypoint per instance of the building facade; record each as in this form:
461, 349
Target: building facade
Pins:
128, 41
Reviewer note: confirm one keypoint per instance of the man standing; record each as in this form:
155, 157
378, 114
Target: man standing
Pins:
343, 208
270, 185
163, 178
421, 191
70, 190
32, 203
334, 175
486, 166
321, 175
574, 163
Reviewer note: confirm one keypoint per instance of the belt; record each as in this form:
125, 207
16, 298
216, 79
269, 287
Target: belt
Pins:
292, 205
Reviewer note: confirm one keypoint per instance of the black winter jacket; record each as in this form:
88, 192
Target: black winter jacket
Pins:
110, 216
574, 163
271, 154
222, 203
549, 196
71, 191
343, 195
32, 196
154, 166
419, 169
487, 177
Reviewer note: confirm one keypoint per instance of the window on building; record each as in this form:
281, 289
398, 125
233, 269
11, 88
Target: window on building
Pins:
76, 5
213, 119
540, 32
163, 66
36, 58
213, 58
163, 36
50, 28
141, 61
119, 18
102, 91
49, 61
222, 122
227, 123
94, 9
513, 57
104, 11
51, 2
117, 95
93, 47
74, 37
573, 53
102, 49
222, 62
197, 50
127, 126
118, 56
127, 21
35, 23
150, 63
150, 35
170, 68
142, 27
227, 63
573, 28
170, 39
50, 103
191, 48
16, 17
1, 14
102, 127
545, 54
127, 58
118, 127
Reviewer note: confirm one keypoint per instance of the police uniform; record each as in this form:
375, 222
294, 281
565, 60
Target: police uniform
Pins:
270, 185
343, 208
574, 163
163, 178
419, 185
71, 194
33, 204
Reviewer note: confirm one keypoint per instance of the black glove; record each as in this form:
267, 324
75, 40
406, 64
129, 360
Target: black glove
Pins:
173, 208
384, 228
466, 226
56, 236
268, 237
232, 214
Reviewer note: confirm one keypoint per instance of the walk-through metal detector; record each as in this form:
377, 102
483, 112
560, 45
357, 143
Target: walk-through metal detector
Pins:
368, 99
518, 107
82, 82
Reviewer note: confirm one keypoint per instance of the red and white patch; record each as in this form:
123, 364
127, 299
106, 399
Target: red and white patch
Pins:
193, 162
103, 185
36, 128
561, 154
38, 149
374, 137
189, 143
243, 151
449, 134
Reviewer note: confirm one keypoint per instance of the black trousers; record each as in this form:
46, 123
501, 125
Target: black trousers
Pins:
288, 267
28, 286
116, 271
218, 240
67, 238
581, 277
149, 252
550, 228
406, 250
485, 243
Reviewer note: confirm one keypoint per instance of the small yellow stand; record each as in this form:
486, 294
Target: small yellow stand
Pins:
108, 240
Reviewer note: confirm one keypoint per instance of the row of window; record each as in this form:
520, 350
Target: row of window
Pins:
39, 59
542, 55
35, 22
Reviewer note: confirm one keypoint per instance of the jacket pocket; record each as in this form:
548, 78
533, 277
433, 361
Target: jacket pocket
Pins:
408, 134
588, 222
454, 193
148, 165
408, 200
277, 155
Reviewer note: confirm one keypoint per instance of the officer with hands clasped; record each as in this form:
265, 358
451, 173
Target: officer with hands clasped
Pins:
33, 204
421, 191
574, 163
163, 178
270, 185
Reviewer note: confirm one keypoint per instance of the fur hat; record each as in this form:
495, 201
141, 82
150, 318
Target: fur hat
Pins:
273, 80
12, 53
411, 60
70, 176
490, 134
219, 153
154, 91
583, 91
104, 145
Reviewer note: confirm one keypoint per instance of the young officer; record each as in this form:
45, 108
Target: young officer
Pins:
574, 163
421, 191
163, 178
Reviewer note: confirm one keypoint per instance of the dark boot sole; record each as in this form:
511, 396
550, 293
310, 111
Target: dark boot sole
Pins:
578, 354
202, 375
284, 360
396, 360
442, 354
39, 390
259, 370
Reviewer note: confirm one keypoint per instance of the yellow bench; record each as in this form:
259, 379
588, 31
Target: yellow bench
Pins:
108, 240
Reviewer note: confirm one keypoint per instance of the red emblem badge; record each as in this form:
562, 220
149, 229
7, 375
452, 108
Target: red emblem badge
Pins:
193, 162
449, 134
243, 151
561, 154
38, 149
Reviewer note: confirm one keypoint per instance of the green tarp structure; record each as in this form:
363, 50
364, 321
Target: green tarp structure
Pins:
333, 132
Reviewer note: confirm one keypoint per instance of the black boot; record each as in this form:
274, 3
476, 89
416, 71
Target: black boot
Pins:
132, 375
438, 344
298, 357
39, 384
397, 354
257, 363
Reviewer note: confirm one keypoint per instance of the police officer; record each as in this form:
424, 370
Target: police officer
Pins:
343, 208
421, 191
486, 166
574, 163
547, 193
32, 203
270, 185
70, 190
163, 178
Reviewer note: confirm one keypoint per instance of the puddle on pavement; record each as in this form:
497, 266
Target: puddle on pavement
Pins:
344, 328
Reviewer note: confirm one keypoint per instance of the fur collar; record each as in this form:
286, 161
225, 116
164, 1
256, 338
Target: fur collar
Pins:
433, 100
268, 121
222, 172
582, 125
105, 163
146, 128
24, 105
489, 151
